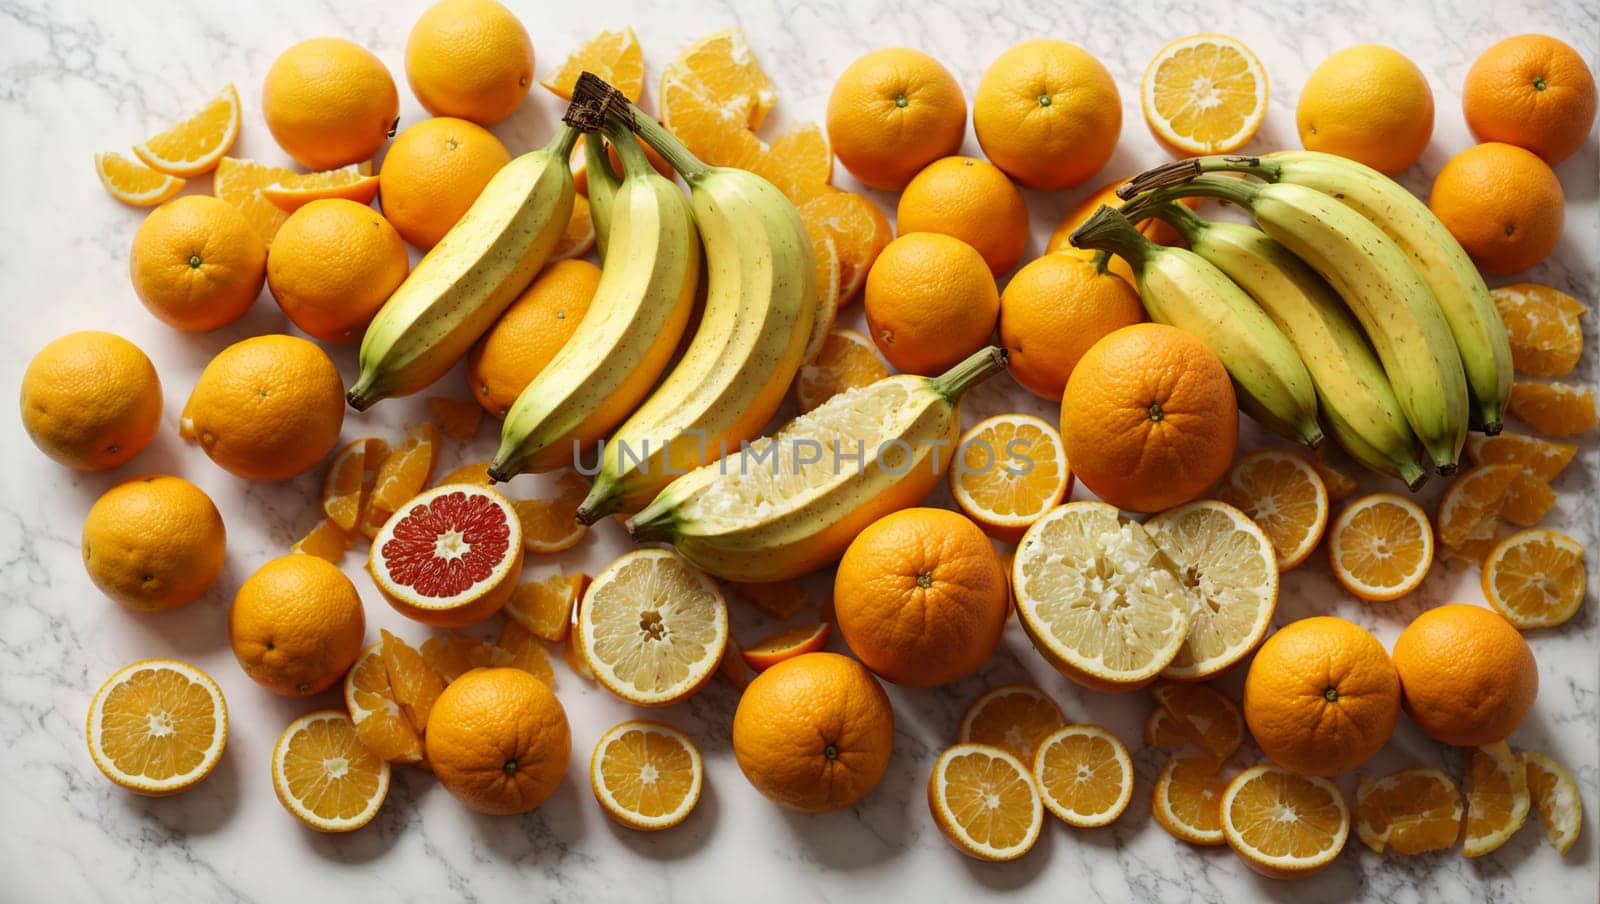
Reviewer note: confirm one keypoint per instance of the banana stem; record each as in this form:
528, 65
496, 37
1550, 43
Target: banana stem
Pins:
1180, 218
563, 141
1109, 231
977, 367
603, 187
1179, 171
634, 162
1237, 191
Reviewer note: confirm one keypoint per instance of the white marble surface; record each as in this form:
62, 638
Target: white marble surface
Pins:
77, 76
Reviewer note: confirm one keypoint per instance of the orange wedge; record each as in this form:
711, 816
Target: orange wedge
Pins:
195, 145
1204, 94
579, 235
350, 477
799, 162
134, 183
786, 644
1085, 775
1497, 798
1188, 800
1203, 716
325, 541
242, 182
1555, 796
1543, 458
1013, 717
157, 727
1283, 824
984, 801
325, 776
613, 55
475, 473
453, 655
1535, 578
1285, 495
414, 685
545, 607
646, 775
733, 668
405, 471
1543, 326
779, 600
520, 649
1007, 471
1469, 510
1340, 486
1410, 812
379, 721
859, 229
1528, 500
350, 183
457, 418
718, 73
1161, 730
551, 525
1380, 547
848, 360
1552, 408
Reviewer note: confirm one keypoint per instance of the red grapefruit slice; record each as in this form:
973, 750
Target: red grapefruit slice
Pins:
450, 557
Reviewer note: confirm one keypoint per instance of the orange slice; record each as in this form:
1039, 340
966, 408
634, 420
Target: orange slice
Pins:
1202, 716
475, 473
325, 541
1413, 811
551, 525
157, 727
1543, 326
1555, 796
799, 163
1188, 800
457, 418
1161, 731
545, 607
1541, 457
578, 237
1380, 547
449, 557
718, 72
1340, 486
413, 683
1536, 578
1283, 824
1552, 408
1204, 94
195, 145
379, 721
1497, 798
1013, 717
1528, 500
1469, 510
646, 775
453, 655
1285, 495
778, 600
613, 55
406, 470
847, 360
1007, 471
859, 229
826, 254
350, 478
653, 628
1085, 775
350, 183
984, 801
518, 648
325, 776
241, 183
134, 183
786, 644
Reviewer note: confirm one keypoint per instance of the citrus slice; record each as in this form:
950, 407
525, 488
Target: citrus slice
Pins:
984, 801
350, 183
551, 525
1340, 486
405, 471
780, 600
545, 607
653, 627
325, 776
413, 683
1284, 494
1413, 811
786, 644
826, 254
1528, 500
798, 163
240, 183
380, 723
1536, 578
1085, 775
195, 145
1229, 567
1553, 409
1542, 325
1469, 510
351, 475
157, 726
1284, 824
1381, 547
578, 237
1161, 730
1013, 717
1541, 457
1555, 796
646, 775
1497, 798
1009, 470
475, 473
1188, 800
1204, 94
719, 72
449, 557
1096, 597
847, 360
326, 541
859, 229
612, 55
453, 655
1202, 716
518, 648
457, 418
132, 182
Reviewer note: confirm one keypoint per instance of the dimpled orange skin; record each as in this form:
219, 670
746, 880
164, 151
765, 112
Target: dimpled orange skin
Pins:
972, 200
930, 302
91, 400
469, 58
329, 102
197, 263
892, 112
1321, 696
814, 733
1467, 677
1532, 91
154, 542
920, 597
433, 172
332, 265
1048, 113
1502, 203
498, 740
296, 625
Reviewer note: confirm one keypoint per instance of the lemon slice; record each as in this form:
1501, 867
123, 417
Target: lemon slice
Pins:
646, 775
157, 726
653, 628
324, 776
984, 801
1099, 598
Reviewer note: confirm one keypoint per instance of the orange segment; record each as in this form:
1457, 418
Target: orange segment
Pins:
551, 525
778, 600
1013, 717
1543, 458
1381, 547
1553, 409
1528, 500
1535, 578
325, 776
241, 182
1411, 812
1469, 510
475, 473
545, 607
1497, 798
1085, 775
520, 649
458, 418
1283, 824
326, 540
579, 235
984, 801
1555, 796
157, 726
413, 684
1340, 486
1007, 471
1285, 495
859, 229
1203, 715
1188, 800
721, 72
711, 131
1161, 730
406, 470
134, 183
453, 655
1204, 94
195, 145
379, 721
351, 476
786, 644
847, 360
733, 668
350, 183
799, 162
646, 775
615, 56
1543, 326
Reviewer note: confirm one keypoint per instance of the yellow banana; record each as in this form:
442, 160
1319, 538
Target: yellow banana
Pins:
458, 290
790, 503
632, 327
603, 185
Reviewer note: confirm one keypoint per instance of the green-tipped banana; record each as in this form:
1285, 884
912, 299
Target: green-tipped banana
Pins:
1378, 284
480, 266
624, 342
789, 504
603, 186
1439, 259
1354, 396
761, 300
1179, 288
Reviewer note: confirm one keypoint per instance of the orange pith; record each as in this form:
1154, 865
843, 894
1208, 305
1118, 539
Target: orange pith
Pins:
1411, 812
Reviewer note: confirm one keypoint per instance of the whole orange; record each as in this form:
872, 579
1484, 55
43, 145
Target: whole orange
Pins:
1533, 91
154, 542
296, 625
432, 174
930, 302
498, 740
892, 112
814, 733
1321, 696
329, 102
1503, 204
1152, 229
469, 58
332, 266
920, 597
196, 263
530, 333
1149, 418
1467, 677
1368, 103
972, 200
91, 400
266, 408
1053, 310
1047, 113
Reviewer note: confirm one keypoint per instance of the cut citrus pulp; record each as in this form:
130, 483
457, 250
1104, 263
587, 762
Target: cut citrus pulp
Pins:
350, 478
1543, 327
545, 606
1540, 457
240, 183
612, 55
1535, 578
1381, 547
1410, 812
799, 163
847, 360
325, 776
1285, 495
786, 644
1188, 800
379, 722
132, 182
1202, 716
157, 726
1527, 500
1204, 94
1009, 470
325, 540
449, 557
414, 684
350, 183
713, 97
475, 473
1469, 511
551, 525
1555, 796
1161, 730
453, 655
1014, 717
859, 229
1553, 409
984, 801
1085, 775
1284, 824
646, 775
519, 648
1497, 798
405, 471
195, 145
